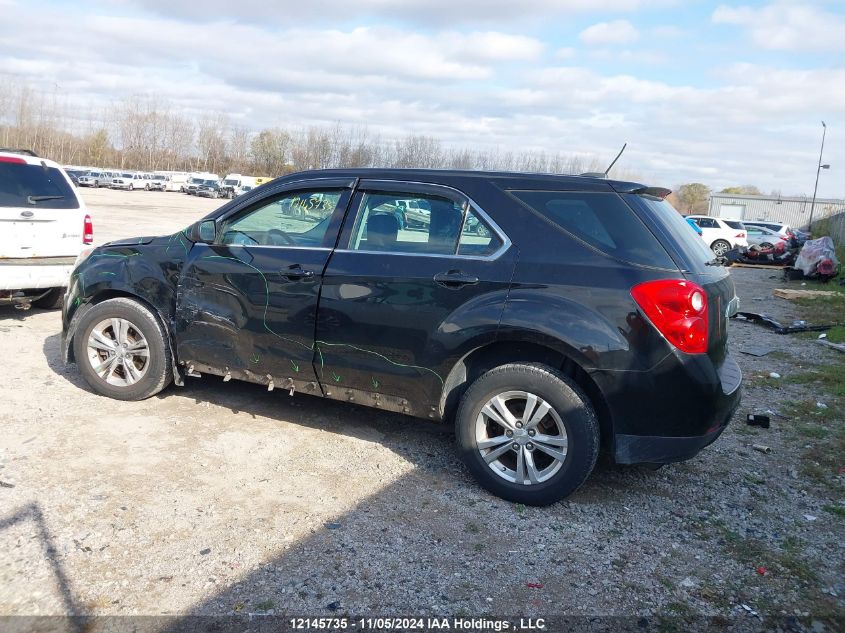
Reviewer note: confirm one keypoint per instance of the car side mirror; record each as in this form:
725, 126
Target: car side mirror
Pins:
204, 231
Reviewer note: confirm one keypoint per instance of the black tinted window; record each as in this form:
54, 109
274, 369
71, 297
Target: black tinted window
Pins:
603, 221
692, 246
407, 223
477, 238
735, 224
21, 185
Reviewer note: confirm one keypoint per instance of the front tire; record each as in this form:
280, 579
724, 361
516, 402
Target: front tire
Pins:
131, 187
121, 350
527, 433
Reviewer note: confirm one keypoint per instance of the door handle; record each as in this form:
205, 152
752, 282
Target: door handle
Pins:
297, 272
455, 279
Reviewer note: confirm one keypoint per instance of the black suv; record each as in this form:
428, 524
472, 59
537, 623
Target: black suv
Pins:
584, 315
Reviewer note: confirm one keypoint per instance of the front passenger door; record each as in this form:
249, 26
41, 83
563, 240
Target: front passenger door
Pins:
247, 303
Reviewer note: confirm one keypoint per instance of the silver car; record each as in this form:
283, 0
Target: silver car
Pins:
763, 237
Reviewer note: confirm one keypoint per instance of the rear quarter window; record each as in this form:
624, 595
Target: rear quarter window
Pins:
602, 221
735, 224
34, 186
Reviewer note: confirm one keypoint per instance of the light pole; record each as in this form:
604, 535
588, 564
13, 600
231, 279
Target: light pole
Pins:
818, 171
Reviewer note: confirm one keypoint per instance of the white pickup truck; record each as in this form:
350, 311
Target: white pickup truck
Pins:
44, 225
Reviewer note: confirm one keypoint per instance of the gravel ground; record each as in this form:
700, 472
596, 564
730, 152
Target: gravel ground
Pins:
214, 499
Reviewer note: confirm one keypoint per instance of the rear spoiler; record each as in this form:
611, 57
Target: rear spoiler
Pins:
657, 192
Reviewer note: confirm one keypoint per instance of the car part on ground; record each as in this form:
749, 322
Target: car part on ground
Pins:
584, 298
778, 328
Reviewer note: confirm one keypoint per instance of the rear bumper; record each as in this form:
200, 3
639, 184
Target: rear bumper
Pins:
35, 273
672, 412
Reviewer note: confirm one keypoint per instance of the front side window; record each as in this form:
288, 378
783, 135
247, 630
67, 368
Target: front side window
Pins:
295, 219
407, 223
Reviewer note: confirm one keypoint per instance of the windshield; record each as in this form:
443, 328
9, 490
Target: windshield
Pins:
210, 182
230, 181
22, 184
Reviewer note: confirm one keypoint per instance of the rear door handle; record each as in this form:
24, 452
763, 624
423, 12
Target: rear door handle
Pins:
455, 279
297, 272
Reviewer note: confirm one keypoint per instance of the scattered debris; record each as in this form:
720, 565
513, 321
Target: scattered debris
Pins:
750, 611
333, 606
6, 484
821, 405
761, 448
774, 374
762, 570
786, 293
778, 328
810, 517
333, 525
818, 259
205, 551
757, 350
823, 335
688, 583
837, 346
534, 585
757, 420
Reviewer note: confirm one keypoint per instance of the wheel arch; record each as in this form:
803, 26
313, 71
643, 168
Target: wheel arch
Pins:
484, 358
114, 293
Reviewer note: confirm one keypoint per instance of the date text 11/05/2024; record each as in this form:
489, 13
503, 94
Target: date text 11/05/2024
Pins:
479, 624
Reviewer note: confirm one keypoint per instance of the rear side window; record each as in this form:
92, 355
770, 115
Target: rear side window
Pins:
603, 221
735, 224
34, 186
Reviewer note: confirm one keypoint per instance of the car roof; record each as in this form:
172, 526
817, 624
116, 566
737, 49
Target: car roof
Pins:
31, 160
376, 173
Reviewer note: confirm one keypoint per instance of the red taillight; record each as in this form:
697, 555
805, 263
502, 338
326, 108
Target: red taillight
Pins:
88, 231
740, 234
12, 159
678, 309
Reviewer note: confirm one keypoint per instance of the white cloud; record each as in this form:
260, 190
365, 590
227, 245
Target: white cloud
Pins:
486, 88
438, 12
609, 33
786, 25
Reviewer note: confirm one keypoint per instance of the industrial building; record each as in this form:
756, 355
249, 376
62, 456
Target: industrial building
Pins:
794, 211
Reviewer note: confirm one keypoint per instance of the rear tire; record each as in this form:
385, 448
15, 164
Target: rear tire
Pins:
550, 468
52, 300
127, 333
720, 247
766, 245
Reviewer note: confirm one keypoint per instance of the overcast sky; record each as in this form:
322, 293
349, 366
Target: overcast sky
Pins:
723, 93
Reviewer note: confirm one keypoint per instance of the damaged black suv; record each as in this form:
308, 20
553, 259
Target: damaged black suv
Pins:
549, 316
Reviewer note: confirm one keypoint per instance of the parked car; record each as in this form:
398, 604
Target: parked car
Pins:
158, 182
97, 179
209, 189
243, 189
43, 227
763, 237
720, 234
588, 317
778, 227
125, 180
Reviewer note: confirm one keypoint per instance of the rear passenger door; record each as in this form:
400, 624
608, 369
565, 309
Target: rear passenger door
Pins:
401, 300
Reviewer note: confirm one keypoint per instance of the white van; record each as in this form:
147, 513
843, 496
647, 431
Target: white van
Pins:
44, 225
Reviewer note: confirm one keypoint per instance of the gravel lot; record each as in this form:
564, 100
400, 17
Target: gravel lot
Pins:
220, 498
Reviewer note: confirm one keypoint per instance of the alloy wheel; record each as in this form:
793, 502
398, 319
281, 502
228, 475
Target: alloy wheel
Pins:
521, 437
118, 352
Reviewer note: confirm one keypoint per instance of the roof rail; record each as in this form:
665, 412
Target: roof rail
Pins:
29, 152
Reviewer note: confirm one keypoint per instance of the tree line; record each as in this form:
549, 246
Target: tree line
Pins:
148, 133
